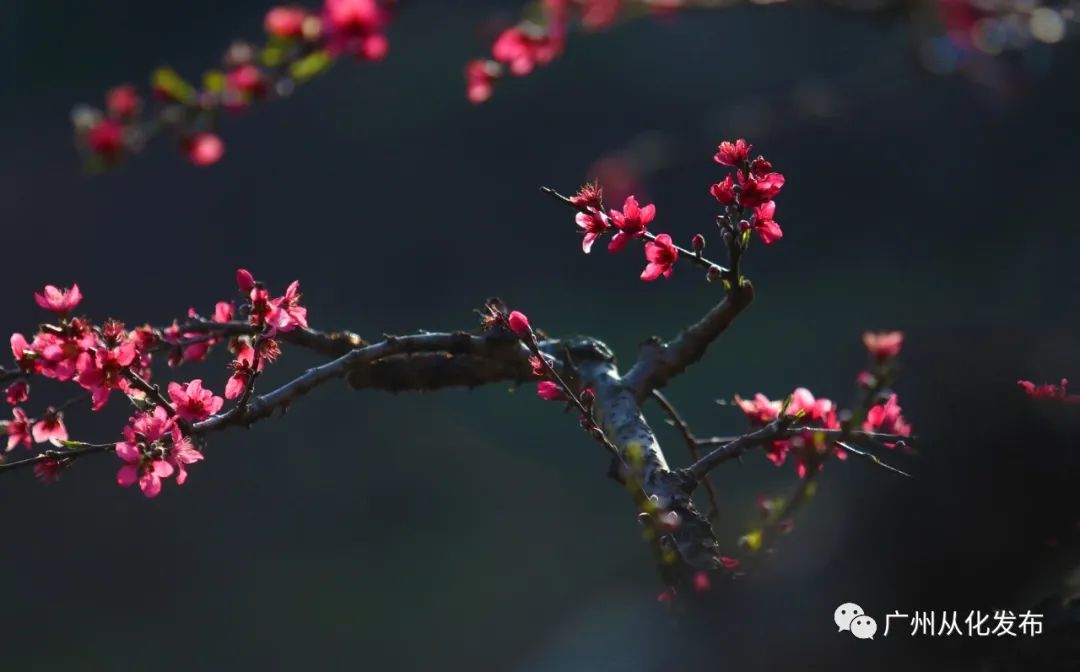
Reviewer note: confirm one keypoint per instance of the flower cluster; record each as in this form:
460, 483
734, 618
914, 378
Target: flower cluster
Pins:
1049, 391
107, 357
748, 196
154, 448
299, 45
748, 206
818, 417
541, 38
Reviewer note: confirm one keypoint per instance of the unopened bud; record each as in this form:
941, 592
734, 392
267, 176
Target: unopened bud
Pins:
697, 243
744, 225
714, 273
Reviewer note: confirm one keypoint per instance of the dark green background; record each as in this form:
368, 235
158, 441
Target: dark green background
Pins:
475, 530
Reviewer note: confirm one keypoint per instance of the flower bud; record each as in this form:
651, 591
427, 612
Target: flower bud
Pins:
697, 243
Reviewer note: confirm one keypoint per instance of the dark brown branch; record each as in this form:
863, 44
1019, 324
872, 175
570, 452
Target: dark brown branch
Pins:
660, 362
692, 443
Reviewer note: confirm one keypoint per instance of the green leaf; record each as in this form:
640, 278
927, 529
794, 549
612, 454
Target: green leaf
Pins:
214, 81
310, 65
173, 85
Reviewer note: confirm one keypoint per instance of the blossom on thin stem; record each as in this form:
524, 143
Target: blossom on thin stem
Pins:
631, 222
661, 255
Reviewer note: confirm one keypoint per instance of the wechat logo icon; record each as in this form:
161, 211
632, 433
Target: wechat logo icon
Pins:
851, 617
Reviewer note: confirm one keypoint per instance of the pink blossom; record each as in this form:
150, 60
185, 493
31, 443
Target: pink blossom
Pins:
758, 190
1049, 391
353, 26
732, 153
122, 101
106, 137
883, 345
519, 323
48, 470
701, 581
480, 75
728, 563
243, 369
18, 429
549, 391
182, 454
244, 280
593, 225
103, 371
193, 402
59, 301
760, 410
24, 354
661, 255
286, 313
50, 428
148, 472
768, 229
203, 149
887, 418
285, 22
17, 393
724, 191
630, 222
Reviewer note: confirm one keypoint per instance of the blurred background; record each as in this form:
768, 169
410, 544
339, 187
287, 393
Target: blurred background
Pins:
475, 530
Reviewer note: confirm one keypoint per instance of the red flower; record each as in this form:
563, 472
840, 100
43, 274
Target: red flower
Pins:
182, 454
286, 313
589, 196
144, 451
758, 190
25, 356
701, 581
193, 402
480, 76
102, 371
768, 229
593, 225
883, 345
630, 222
728, 563
18, 429
106, 137
732, 153
724, 192
244, 280
48, 470
243, 369
246, 79
353, 27
285, 22
519, 323
59, 301
17, 393
522, 51
1049, 391
760, 410
886, 418
50, 428
203, 149
122, 101
546, 390
661, 255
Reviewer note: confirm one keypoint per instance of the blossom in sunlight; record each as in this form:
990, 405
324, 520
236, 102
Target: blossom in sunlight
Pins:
17, 393
193, 402
549, 391
661, 255
18, 429
631, 222
883, 345
59, 301
732, 153
50, 428
767, 228
286, 313
886, 418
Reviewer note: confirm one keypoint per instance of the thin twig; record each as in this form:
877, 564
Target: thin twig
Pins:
691, 443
